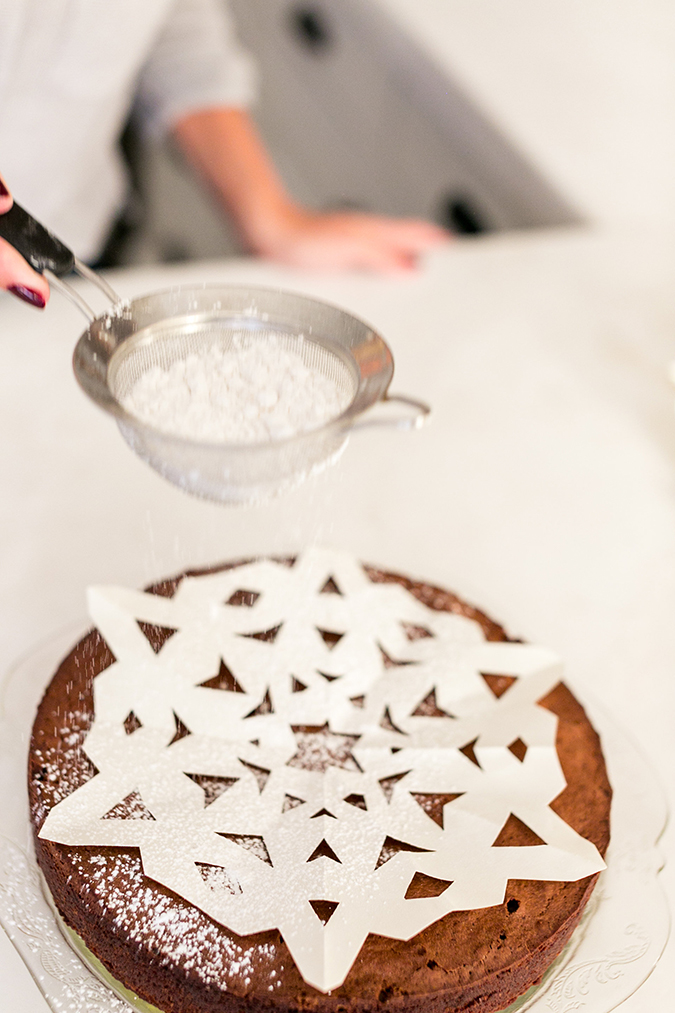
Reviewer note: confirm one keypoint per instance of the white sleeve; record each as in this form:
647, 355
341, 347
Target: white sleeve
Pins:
196, 63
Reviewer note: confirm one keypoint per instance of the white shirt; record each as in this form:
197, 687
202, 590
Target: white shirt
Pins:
70, 71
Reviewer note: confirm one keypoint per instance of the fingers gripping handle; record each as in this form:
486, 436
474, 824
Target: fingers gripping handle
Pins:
49, 256
42, 250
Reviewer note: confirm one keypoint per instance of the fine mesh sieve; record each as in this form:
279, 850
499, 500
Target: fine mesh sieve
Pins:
159, 329
162, 346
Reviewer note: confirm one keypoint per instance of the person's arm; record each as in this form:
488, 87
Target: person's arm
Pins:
16, 276
197, 85
224, 147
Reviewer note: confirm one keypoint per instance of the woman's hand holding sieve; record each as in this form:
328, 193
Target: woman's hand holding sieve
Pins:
16, 275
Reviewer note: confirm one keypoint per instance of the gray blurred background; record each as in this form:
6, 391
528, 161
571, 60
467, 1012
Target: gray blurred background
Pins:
357, 114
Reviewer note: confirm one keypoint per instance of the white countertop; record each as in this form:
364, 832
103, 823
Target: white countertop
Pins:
543, 489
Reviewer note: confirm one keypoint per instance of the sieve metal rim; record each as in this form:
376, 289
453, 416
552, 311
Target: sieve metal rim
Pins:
100, 345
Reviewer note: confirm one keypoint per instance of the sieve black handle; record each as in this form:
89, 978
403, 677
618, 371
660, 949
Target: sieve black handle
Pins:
35, 243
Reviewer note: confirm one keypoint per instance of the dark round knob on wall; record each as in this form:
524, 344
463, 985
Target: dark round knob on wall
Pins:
311, 28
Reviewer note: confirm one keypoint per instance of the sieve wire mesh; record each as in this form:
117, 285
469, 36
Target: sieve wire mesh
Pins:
162, 329
164, 344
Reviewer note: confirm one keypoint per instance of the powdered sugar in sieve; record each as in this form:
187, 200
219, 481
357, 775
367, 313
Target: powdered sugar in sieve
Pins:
252, 391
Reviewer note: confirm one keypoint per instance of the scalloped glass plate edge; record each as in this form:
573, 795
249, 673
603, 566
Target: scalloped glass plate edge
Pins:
613, 951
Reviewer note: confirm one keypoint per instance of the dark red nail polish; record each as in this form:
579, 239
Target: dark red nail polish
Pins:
4, 192
28, 295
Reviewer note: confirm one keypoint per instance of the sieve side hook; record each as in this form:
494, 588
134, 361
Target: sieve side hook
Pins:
49, 256
413, 420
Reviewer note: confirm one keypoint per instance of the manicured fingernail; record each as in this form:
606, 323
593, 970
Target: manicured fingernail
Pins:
28, 295
4, 192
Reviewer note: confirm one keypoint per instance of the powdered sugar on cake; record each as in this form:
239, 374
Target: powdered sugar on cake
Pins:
256, 391
179, 930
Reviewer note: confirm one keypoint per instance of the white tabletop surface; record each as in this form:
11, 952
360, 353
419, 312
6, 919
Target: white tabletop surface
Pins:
543, 489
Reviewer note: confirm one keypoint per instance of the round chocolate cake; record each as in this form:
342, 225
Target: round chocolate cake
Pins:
174, 955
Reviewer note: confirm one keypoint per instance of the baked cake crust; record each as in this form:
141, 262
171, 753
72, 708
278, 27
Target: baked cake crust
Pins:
177, 958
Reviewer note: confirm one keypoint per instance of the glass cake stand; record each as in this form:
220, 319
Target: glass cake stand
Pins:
614, 949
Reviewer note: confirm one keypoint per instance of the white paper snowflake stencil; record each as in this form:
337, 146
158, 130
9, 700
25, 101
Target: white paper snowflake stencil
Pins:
304, 781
